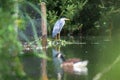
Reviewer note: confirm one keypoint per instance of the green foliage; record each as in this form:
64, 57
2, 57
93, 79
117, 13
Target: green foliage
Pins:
10, 47
88, 13
109, 11
64, 8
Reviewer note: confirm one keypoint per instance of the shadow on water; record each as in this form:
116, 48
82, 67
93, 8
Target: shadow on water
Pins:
103, 57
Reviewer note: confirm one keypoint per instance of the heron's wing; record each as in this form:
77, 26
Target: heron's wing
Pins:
57, 27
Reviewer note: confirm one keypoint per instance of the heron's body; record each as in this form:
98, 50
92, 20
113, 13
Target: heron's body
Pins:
58, 26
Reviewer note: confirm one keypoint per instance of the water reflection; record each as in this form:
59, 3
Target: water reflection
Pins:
43, 69
104, 59
73, 66
44, 62
57, 62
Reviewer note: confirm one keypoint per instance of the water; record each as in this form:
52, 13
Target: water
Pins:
103, 56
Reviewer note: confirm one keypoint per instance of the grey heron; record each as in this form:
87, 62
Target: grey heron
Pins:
58, 27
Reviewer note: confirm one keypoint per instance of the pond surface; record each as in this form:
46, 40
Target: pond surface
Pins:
103, 57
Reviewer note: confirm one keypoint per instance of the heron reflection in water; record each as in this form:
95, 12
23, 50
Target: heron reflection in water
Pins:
71, 65
58, 27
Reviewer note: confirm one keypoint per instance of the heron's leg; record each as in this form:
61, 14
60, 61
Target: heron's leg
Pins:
58, 36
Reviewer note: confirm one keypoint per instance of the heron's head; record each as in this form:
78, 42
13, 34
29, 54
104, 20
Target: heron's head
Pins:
65, 19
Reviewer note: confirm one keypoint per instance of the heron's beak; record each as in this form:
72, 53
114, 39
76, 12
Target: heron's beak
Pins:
67, 19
